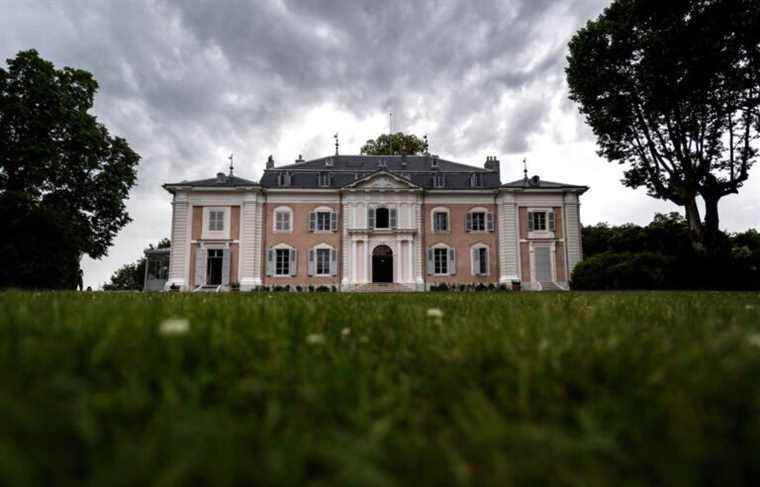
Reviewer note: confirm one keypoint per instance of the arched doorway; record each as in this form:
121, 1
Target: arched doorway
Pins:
382, 264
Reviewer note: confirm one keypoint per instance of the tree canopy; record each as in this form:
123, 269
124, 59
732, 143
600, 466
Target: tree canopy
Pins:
391, 144
63, 178
671, 91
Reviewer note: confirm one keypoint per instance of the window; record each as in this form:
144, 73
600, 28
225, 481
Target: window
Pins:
282, 220
324, 179
382, 219
540, 221
282, 262
216, 220
441, 261
323, 219
439, 181
478, 221
440, 221
476, 180
283, 179
323, 262
480, 261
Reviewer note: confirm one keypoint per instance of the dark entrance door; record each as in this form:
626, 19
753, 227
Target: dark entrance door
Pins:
382, 264
214, 267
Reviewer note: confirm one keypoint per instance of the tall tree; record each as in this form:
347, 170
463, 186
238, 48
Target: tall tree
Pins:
671, 91
63, 179
398, 143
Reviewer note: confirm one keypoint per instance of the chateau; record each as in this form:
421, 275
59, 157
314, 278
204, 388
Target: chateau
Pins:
347, 222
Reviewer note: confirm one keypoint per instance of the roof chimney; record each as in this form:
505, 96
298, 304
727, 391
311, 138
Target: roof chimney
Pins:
270, 162
492, 164
300, 159
434, 161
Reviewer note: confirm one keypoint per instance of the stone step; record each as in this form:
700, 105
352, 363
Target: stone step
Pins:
550, 286
382, 287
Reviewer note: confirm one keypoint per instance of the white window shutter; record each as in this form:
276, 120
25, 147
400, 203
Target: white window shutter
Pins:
312, 221
530, 221
430, 268
200, 266
334, 221
293, 263
468, 222
452, 262
487, 263
370, 218
270, 262
312, 264
226, 267
550, 218
393, 216
333, 262
475, 261
489, 221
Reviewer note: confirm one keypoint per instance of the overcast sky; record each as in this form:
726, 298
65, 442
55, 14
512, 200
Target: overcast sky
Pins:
189, 82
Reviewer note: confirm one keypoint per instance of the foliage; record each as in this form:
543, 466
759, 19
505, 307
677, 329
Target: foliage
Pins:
334, 389
63, 179
131, 277
671, 90
391, 144
659, 256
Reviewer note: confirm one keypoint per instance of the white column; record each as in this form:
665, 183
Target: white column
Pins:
349, 254
419, 252
410, 251
249, 248
508, 242
572, 232
367, 257
180, 250
354, 263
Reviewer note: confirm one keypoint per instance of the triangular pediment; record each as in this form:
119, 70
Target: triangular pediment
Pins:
382, 180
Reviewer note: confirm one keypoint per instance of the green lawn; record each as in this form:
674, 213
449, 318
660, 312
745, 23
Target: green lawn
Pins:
288, 389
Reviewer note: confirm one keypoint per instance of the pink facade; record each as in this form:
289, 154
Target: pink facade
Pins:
353, 222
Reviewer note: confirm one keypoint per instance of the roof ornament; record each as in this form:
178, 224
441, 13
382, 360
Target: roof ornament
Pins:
232, 166
426, 145
525, 168
336, 143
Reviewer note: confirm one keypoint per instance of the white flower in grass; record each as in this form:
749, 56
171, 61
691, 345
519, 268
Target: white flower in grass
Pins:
434, 313
345, 332
315, 339
749, 306
174, 326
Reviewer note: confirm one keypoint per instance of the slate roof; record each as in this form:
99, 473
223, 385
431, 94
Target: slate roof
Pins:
345, 169
536, 183
220, 181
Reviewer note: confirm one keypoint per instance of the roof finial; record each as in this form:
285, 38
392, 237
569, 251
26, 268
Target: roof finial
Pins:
232, 166
427, 147
525, 168
336, 143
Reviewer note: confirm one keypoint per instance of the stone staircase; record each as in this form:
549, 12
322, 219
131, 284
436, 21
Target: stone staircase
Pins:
550, 286
382, 287
207, 289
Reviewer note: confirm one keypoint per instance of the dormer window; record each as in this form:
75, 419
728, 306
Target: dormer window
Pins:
325, 179
439, 181
476, 180
283, 179
434, 162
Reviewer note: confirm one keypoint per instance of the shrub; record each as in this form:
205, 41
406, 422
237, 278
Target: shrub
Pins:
625, 270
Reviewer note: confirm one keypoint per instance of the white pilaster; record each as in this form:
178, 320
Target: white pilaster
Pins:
180, 250
509, 251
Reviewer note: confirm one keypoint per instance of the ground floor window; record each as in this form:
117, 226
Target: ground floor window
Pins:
282, 262
323, 262
441, 261
480, 261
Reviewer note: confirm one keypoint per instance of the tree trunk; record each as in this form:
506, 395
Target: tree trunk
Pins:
711, 227
696, 229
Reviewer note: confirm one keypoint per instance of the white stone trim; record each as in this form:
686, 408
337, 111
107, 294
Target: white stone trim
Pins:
282, 209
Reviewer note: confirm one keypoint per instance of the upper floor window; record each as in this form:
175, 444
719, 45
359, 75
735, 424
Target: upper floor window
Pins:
216, 220
382, 218
323, 219
283, 219
476, 180
440, 220
540, 221
325, 179
479, 220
